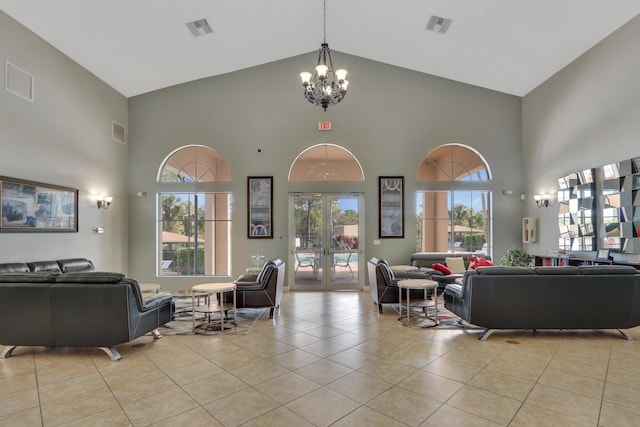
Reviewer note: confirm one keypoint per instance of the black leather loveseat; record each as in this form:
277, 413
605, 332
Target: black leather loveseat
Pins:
75, 309
586, 297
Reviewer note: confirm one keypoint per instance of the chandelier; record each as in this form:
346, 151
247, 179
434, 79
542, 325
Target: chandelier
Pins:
325, 86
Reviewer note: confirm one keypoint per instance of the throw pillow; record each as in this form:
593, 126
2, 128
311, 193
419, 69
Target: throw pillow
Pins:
479, 262
441, 268
455, 264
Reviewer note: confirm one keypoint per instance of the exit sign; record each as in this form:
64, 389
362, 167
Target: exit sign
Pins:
324, 125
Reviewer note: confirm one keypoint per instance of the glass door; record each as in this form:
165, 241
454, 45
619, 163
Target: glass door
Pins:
325, 249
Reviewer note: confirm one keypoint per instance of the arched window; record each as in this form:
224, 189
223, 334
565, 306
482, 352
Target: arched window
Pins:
194, 227
194, 163
325, 162
457, 219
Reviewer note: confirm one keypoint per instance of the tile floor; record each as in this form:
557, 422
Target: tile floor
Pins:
328, 359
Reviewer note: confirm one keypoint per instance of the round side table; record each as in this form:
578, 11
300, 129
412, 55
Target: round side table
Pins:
213, 304
418, 321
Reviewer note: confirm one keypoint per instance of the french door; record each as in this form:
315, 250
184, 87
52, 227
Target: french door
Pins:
325, 248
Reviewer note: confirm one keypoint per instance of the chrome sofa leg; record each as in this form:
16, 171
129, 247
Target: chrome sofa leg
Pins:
625, 336
7, 352
112, 353
486, 334
156, 334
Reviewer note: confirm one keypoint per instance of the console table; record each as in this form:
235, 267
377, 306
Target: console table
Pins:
561, 260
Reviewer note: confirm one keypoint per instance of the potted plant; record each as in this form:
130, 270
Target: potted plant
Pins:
516, 257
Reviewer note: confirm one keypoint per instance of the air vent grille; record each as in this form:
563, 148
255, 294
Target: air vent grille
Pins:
18, 82
119, 133
199, 28
438, 24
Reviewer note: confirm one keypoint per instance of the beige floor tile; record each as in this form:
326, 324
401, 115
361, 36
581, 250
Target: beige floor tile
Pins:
114, 417
623, 376
324, 348
504, 385
519, 367
299, 339
129, 391
433, 386
404, 405
365, 416
76, 387
579, 384
26, 418
452, 369
294, 359
240, 407
258, 372
449, 416
158, 407
388, 370
18, 401
359, 387
196, 417
577, 366
234, 359
67, 410
353, 359
531, 415
614, 415
349, 339
211, 388
323, 371
322, 407
416, 359
281, 417
565, 402
485, 404
287, 387
15, 383
192, 372
622, 395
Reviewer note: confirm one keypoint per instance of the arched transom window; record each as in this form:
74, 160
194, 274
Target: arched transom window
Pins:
194, 163
326, 162
453, 162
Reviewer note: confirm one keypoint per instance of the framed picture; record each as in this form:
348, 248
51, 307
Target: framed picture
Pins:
260, 214
391, 214
27, 206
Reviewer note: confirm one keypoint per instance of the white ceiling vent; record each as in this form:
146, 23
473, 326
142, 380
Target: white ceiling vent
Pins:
119, 133
18, 82
199, 28
438, 24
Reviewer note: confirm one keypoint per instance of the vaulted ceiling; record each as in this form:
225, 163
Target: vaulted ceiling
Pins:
137, 46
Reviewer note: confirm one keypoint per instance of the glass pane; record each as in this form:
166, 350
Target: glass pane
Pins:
308, 239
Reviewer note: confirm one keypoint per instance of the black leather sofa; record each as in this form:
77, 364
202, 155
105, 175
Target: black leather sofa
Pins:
586, 297
75, 309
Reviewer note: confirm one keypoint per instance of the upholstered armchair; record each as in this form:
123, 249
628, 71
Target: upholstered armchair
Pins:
383, 283
261, 290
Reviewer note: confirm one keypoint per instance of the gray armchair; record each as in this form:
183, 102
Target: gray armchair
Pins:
261, 290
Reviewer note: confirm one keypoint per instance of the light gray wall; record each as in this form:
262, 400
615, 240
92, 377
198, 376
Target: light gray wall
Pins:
63, 138
585, 116
390, 120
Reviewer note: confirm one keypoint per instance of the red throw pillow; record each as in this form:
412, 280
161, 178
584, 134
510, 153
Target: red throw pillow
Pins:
441, 268
479, 262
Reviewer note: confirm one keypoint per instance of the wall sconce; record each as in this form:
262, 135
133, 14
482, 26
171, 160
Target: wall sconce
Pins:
541, 200
103, 202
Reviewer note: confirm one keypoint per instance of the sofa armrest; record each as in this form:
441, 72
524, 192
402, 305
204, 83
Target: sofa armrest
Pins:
247, 278
153, 301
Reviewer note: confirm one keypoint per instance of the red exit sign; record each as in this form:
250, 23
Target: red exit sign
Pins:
324, 125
